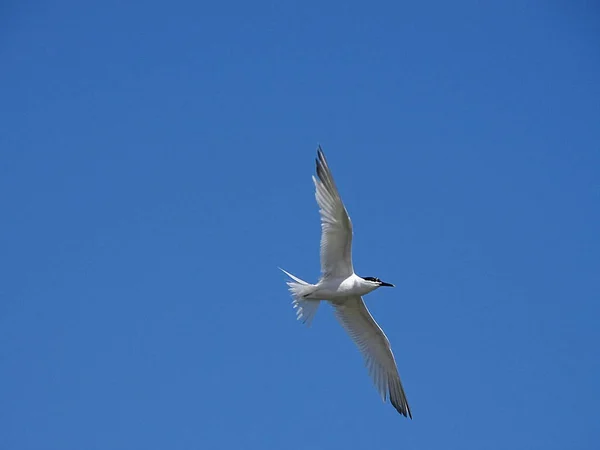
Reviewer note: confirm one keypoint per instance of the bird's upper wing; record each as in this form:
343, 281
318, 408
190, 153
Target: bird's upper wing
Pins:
375, 348
336, 227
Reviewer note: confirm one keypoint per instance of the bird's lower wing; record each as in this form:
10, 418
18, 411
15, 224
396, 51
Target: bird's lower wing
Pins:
375, 348
336, 227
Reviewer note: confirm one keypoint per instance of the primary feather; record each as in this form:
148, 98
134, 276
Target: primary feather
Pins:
336, 227
375, 348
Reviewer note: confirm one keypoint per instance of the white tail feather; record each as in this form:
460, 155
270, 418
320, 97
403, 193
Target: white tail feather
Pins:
305, 309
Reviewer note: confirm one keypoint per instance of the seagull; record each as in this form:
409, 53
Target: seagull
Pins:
343, 289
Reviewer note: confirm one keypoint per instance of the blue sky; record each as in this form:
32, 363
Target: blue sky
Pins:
155, 171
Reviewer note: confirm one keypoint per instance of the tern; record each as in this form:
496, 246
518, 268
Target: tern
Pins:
341, 287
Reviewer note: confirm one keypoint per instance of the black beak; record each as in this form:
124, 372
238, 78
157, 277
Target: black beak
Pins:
387, 284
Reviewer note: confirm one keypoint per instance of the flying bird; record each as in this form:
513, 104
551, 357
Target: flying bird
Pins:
341, 287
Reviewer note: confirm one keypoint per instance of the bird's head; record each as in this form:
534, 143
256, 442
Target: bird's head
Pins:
377, 282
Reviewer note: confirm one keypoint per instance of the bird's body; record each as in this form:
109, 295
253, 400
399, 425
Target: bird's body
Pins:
337, 289
340, 286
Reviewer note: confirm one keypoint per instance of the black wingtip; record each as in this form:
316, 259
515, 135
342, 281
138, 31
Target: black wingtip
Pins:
405, 411
320, 153
320, 160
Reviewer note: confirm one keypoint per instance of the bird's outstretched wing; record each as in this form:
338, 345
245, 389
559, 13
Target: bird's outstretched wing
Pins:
375, 348
336, 227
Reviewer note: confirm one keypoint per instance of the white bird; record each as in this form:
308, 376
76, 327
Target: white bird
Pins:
344, 290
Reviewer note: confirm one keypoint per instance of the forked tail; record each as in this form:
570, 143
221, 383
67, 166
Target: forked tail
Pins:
305, 309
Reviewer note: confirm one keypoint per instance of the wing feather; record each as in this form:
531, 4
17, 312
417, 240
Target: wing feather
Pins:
375, 348
336, 227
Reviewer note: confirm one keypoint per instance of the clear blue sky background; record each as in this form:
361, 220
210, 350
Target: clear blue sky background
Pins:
155, 170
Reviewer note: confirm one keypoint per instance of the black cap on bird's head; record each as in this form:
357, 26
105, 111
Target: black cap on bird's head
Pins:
378, 281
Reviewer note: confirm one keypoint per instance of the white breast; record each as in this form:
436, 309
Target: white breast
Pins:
353, 285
